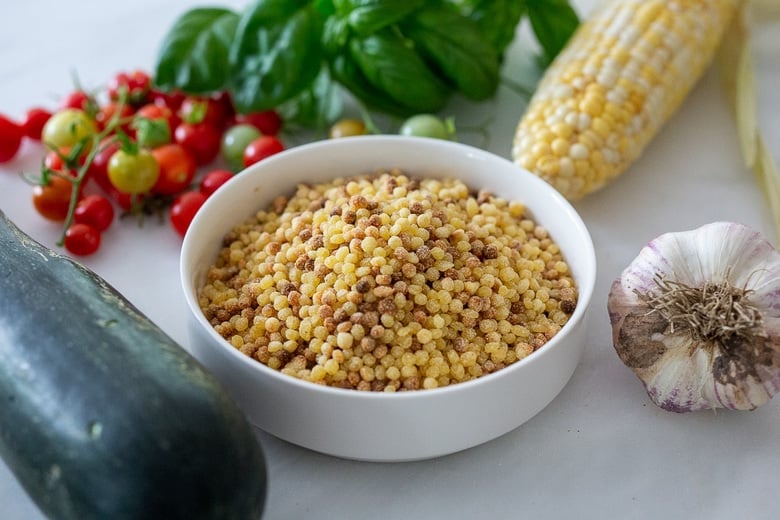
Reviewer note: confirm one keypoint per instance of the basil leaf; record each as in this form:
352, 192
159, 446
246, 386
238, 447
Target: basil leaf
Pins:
346, 72
392, 66
276, 53
457, 48
325, 7
553, 23
335, 35
497, 19
369, 16
194, 53
316, 107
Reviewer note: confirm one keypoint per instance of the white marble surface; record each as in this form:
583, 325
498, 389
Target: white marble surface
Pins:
601, 449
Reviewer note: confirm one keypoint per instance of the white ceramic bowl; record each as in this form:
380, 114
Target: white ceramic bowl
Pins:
378, 426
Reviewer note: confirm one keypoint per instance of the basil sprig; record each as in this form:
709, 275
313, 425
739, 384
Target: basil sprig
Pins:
396, 57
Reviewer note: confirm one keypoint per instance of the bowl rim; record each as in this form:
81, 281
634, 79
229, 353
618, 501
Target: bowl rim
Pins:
585, 285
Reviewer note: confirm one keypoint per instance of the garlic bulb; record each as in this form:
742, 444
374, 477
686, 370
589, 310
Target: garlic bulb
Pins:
697, 317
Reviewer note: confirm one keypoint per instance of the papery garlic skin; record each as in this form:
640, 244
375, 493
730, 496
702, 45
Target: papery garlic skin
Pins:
684, 374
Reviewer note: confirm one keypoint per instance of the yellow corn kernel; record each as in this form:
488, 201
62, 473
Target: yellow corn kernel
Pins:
646, 13
618, 80
560, 147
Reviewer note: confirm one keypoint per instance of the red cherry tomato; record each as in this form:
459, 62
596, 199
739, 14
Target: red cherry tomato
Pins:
269, 122
177, 169
225, 102
96, 211
262, 147
136, 84
82, 239
213, 180
53, 161
156, 112
77, 99
207, 110
172, 100
184, 209
52, 200
98, 168
10, 139
33, 122
201, 140
123, 200
109, 111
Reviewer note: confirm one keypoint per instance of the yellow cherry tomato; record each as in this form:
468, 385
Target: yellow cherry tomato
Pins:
68, 127
133, 173
346, 128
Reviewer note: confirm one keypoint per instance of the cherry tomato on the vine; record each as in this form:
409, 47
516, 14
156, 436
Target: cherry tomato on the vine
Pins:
201, 140
82, 239
269, 122
184, 209
213, 180
67, 127
98, 168
53, 161
124, 200
52, 200
177, 169
172, 100
135, 85
33, 122
262, 147
206, 110
60, 160
95, 210
225, 102
111, 110
133, 172
156, 112
77, 99
10, 139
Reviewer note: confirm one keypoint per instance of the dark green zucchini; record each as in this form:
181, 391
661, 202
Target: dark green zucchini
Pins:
102, 415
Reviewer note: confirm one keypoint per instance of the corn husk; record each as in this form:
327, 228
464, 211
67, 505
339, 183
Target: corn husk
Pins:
739, 77
768, 6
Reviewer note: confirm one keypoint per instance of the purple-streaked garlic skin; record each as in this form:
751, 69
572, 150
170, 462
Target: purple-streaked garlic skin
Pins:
683, 374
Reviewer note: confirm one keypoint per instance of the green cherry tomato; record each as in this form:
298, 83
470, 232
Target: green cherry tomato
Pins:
67, 127
235, 141
426, 125
133, 173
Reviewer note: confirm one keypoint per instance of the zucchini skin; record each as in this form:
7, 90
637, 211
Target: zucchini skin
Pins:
104, 416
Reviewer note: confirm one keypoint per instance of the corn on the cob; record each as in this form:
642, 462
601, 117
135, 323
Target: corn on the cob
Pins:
621, 76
